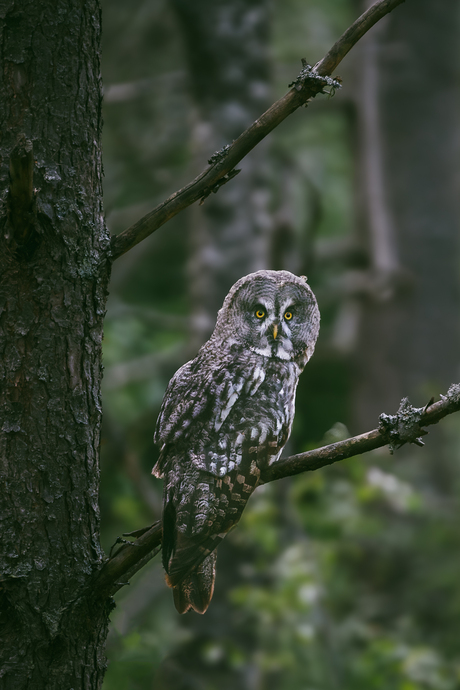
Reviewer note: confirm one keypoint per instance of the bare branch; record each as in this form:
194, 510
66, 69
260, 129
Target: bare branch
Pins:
327, 455
352, 35
127, 561
223, 165
395, 430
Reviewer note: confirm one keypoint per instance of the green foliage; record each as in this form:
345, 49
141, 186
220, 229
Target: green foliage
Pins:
336, 605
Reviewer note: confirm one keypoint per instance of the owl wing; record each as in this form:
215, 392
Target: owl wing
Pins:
210, 468
196, 404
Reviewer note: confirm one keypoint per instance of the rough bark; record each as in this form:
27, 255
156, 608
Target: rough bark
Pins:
53, 277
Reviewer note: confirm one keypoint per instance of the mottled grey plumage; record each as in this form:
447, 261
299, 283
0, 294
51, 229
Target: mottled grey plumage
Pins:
225, 416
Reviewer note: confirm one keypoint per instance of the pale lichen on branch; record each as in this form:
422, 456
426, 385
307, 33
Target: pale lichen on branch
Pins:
402, 427
453, 394
315, 82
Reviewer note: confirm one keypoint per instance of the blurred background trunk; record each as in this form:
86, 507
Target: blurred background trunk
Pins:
408, 117
226, 49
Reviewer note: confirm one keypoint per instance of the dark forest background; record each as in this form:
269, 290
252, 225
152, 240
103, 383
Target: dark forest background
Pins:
346, 578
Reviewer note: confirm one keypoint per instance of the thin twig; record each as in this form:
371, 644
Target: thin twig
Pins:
223, 166
352, 35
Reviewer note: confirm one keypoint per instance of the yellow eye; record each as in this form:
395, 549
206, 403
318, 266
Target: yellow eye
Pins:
288, 315
260, 313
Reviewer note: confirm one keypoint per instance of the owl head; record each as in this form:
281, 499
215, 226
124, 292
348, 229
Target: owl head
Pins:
272, 313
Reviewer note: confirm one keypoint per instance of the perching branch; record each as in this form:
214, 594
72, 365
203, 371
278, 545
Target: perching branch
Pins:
407, 426
222, 166
394, 430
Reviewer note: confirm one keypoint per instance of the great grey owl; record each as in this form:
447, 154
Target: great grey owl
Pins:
226, 416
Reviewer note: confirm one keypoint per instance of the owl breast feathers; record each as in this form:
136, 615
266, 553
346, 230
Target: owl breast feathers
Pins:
226, 416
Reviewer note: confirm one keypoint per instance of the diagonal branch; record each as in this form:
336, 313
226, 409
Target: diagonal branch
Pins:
394, 430
352, 35
222, 165
377, 438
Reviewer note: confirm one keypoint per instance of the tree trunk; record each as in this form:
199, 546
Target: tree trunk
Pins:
53, 281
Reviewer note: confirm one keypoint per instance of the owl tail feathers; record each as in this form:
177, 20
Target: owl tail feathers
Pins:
196, 589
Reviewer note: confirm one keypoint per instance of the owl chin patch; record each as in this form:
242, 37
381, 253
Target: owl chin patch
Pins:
277, 351
281, 353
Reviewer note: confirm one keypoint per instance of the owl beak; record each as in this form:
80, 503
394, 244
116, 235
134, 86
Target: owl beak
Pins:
275, 331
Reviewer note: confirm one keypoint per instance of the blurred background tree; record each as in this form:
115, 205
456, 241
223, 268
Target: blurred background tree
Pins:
348, 577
